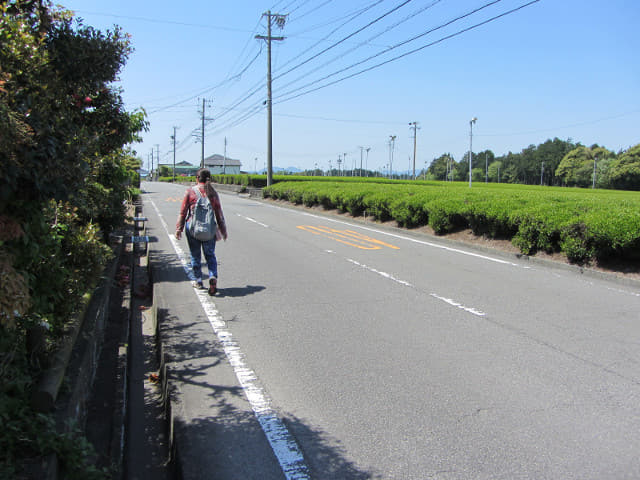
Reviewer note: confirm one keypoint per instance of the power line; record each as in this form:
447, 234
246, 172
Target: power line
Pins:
390, 48
256, 108
297, 8
257, 87
208, 89
350, 17
388, 29
242, 52
239, 117
313, 10
397, 7
447, 37
156, 20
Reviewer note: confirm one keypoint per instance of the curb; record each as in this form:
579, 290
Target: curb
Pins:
75, 365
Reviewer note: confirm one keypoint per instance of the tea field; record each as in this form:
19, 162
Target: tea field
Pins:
584, 224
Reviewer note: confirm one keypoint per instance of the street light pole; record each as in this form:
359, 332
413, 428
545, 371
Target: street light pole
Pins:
392, 146
471, 122
366, 164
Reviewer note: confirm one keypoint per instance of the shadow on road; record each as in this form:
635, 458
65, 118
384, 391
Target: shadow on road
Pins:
223, 424
240, 291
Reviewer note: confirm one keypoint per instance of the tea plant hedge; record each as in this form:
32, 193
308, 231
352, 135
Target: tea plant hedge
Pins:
583, 224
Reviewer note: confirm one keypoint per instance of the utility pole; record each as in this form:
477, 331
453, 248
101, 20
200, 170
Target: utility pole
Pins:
392, 146
541, 173
415, 136
174, 153
201, 140
280, 21
157, 160
595, 161
224, 159
157, 156
202, 136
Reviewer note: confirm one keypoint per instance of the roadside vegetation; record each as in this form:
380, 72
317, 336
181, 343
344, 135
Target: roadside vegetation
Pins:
584, 224
65, 178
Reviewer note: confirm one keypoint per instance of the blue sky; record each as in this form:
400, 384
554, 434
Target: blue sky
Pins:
555, 68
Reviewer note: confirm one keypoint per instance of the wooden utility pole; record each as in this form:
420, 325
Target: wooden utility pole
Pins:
224, 159
157, 157
280, 20
174, 153
202, 136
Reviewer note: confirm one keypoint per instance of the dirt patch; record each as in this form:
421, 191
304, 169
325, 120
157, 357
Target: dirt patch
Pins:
624, 269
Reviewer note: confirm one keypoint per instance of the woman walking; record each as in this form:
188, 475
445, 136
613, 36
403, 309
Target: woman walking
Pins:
193, 197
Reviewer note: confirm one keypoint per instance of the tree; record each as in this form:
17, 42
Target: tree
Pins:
478, 174
576, 168
572, 167
439, 166
62, 127
551, 154
495, 170
63, 177
624, 172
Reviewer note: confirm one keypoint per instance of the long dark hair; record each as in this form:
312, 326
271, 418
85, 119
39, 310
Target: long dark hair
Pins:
204, 175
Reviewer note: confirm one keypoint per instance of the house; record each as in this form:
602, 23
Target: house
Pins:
182, 169
217, 164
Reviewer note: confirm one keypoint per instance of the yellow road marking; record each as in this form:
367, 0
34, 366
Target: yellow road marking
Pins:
348, 237
173, 199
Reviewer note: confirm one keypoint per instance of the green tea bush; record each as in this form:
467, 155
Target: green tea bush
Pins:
584, 224
377, 205
410, 211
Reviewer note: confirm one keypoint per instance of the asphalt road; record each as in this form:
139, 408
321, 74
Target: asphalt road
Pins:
388, 354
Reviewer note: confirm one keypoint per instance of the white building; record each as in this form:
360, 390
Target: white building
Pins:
217, 164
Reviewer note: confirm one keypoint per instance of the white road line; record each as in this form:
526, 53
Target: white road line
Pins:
253, 220
409, 239
284, 446
383, 274
451, 302
458, 305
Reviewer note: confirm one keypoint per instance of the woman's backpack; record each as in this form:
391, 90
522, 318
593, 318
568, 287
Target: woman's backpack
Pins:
202, 225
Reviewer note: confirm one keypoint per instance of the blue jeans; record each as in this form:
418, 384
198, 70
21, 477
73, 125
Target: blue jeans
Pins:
196, 247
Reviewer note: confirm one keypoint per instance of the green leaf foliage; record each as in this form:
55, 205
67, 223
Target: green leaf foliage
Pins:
64, 177
584, 224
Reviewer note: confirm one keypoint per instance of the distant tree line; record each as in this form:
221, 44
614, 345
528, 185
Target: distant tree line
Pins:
553, 163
